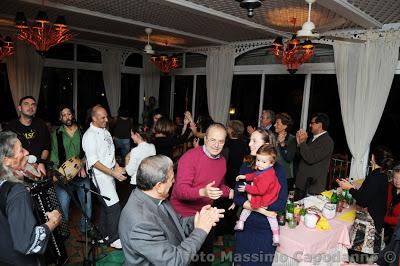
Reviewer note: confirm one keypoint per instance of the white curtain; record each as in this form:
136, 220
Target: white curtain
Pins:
151, 79
219, 70
364, 73
111, 61
24, 71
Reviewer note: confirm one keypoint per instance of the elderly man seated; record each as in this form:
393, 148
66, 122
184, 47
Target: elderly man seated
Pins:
151, 232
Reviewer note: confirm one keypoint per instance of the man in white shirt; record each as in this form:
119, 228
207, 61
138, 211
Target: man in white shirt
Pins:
100, 155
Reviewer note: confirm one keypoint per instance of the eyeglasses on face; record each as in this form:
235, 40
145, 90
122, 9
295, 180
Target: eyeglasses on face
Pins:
216, 142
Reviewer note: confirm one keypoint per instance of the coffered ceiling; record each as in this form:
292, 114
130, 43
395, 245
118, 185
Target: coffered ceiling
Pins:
184, 24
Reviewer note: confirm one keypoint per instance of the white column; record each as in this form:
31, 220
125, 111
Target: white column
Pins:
75, 84
194, 95
141, 98
171, 102
260, 107
306, 102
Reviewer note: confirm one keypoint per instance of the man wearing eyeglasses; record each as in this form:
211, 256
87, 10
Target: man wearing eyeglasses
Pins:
267, 120
315, 156
200, 178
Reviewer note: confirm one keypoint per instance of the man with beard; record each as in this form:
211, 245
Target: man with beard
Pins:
31, 131
65, 144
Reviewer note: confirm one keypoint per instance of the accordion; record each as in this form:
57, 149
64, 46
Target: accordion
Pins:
44, 200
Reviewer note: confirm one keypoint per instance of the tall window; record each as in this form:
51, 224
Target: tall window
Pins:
134, 60
56, 89
245, 98
201, 96
284, 93
88, 54
195, 60
183, 95
164, 96
324, 97
63, 51
7, 109
90, 92
388, 130
130, 88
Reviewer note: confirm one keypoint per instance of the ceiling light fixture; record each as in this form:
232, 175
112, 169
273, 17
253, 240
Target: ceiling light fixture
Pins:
148, 49
165, 63
308, 28
250, 5
293, 54
42, 34
6, 47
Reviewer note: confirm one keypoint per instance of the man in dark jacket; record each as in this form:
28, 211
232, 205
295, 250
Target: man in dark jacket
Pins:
315, 155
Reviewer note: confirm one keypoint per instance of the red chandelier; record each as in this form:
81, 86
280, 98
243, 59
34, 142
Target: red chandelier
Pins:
165, 63
6, 47
294, 53
42, 34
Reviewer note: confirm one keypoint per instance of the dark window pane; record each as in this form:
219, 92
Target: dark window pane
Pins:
265, 56
245, 98
164, 94
201, 96
7, 109
90, 92
134, 60
87, 54
324, 97
195, 60
284, 93
260, 56
389, 126
183, 95
130, 88
56, 89
64, 51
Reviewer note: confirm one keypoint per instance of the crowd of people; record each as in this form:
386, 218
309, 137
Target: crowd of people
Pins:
181, 202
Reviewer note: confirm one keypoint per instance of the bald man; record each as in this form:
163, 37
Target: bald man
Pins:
100, 156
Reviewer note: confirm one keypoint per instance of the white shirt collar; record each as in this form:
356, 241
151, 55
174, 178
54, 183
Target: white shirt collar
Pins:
98, 129
209, 155
318, 135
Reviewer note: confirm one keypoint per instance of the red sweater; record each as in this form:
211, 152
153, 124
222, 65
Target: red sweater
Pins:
195, 171
392, 214
265, 188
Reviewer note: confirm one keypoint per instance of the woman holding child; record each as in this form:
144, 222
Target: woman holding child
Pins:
254, 244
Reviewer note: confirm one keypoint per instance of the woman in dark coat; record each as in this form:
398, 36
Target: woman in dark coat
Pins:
253, 245
366, 235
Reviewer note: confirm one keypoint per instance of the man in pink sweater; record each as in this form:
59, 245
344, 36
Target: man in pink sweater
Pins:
200, 178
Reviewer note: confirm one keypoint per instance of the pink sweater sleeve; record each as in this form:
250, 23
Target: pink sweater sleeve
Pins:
185, 176
225, 190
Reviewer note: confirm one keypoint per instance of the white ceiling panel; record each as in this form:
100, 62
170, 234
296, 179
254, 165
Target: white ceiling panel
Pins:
184, 24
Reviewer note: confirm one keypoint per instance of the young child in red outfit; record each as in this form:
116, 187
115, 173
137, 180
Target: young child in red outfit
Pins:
264, 190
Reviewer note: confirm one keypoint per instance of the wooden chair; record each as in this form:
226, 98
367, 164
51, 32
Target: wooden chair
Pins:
338, 168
